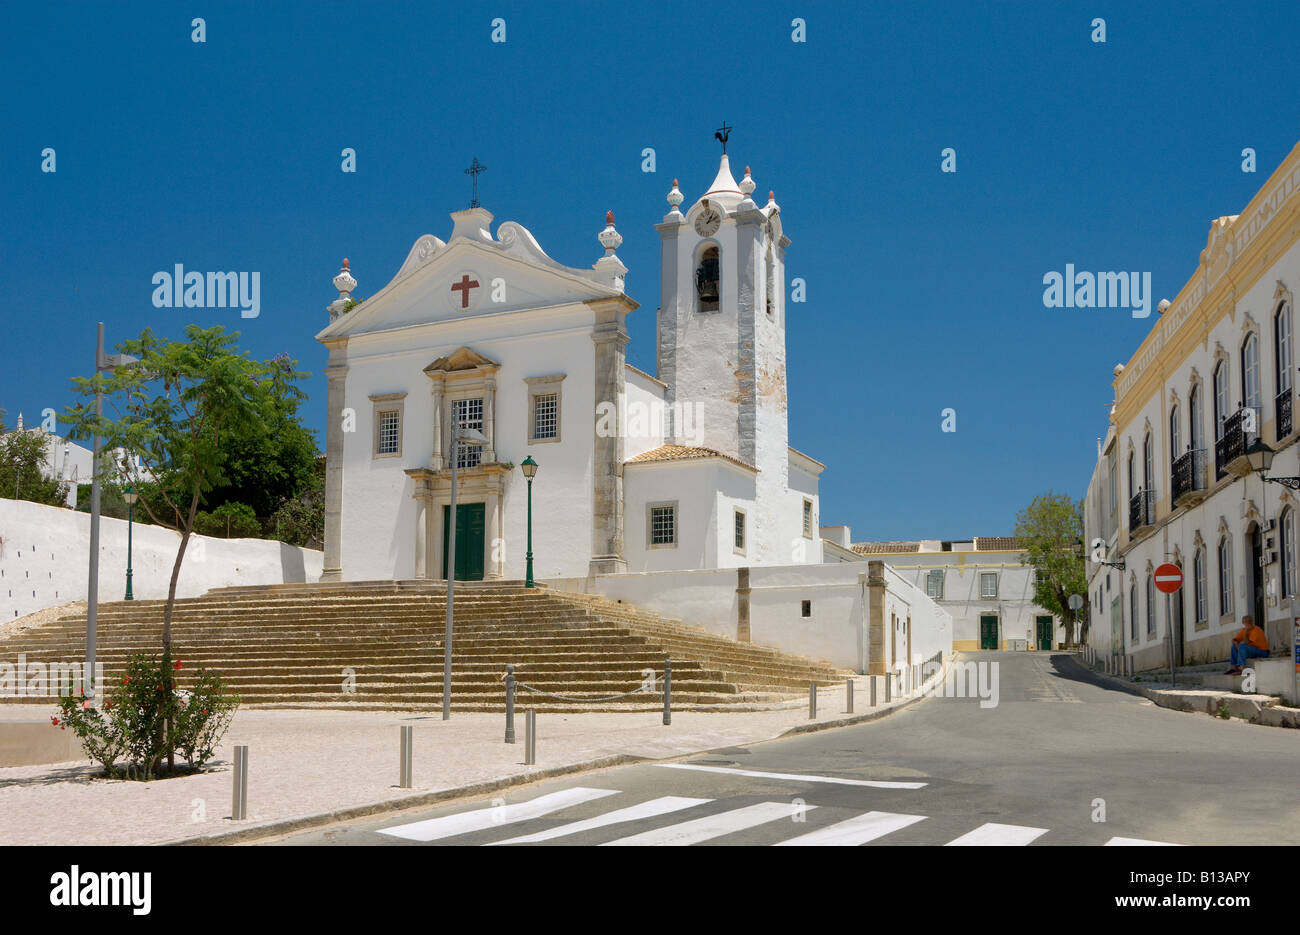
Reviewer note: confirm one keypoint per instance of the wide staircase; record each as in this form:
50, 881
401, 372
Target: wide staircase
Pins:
379, 646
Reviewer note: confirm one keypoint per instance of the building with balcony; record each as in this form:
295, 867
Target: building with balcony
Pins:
1215, 374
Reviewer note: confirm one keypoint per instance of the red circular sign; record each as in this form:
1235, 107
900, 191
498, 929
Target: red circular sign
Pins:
1169, 578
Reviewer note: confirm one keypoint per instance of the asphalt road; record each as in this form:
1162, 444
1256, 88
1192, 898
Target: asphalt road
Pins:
1057, 752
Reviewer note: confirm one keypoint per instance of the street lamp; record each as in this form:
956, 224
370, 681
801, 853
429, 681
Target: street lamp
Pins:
104, 363
130, 496
529, 467
460, 435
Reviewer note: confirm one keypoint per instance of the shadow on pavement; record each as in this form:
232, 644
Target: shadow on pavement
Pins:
1066, 666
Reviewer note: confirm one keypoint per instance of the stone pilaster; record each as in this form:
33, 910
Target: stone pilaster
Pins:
609, 334
336, 374
748, 233
876, 660
489, 418
435, 459
742, 605
666, 325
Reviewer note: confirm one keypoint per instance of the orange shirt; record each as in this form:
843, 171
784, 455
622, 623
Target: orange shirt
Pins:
1253, 636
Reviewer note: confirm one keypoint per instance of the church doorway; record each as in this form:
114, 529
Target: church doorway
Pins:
471, 529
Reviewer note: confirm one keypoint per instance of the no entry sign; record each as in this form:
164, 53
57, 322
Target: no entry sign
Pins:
1169, 578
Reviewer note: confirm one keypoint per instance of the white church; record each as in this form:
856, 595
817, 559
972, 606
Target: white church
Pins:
689, 469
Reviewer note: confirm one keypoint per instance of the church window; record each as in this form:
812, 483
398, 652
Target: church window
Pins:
934, 584
989, 584
663, 524
546, 409
740, 531
807, 518
707, 278
805, 608
390, 428
468, 413
387, 411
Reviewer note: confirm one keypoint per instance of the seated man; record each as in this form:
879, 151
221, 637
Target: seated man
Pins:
1250, 643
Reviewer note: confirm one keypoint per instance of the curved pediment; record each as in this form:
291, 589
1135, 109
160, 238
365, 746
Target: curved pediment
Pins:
461, 359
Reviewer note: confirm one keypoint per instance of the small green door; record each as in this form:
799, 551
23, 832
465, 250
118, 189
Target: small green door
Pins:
988, 632
1044, 632
471, 527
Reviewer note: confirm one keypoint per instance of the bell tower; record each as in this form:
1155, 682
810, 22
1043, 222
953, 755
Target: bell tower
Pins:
721, 325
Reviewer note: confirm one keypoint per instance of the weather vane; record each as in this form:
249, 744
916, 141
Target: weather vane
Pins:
473, 171
722, 134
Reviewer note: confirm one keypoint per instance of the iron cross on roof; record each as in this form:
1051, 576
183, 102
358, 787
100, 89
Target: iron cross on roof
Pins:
722, 134
473, 171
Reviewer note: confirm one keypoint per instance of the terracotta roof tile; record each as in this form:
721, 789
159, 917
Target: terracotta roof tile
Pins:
996, 543
684, 453
885, 548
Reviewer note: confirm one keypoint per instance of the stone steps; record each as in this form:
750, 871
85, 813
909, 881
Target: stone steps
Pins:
288, 646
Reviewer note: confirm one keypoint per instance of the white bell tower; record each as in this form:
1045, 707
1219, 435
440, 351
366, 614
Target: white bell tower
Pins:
721, 326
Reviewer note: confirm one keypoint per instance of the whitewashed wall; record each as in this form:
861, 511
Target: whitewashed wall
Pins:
836, 631
44, 556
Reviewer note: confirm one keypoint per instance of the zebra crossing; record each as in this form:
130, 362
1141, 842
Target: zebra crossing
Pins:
673, 824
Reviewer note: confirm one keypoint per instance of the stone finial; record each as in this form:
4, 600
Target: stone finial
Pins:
20, 421
609, 238
747, 185
344, 281
675, 198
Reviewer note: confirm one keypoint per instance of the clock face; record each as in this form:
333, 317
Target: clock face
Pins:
706, 225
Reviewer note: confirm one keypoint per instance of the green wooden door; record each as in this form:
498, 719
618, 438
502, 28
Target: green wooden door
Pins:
471, 527
1044, 632
988, 632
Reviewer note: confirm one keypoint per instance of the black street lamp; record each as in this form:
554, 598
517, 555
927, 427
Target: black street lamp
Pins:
529, 467
130, 496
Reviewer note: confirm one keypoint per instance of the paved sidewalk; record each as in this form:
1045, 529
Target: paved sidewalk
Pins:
310, 767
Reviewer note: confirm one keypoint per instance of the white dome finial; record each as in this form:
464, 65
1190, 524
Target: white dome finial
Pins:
609, 238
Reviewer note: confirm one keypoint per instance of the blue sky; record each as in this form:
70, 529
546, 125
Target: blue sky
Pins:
924, 289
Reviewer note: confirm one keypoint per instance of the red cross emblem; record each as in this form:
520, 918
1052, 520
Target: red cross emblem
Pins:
464, 286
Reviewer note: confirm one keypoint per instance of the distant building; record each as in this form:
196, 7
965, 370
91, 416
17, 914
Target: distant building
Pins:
69, 462
981, 582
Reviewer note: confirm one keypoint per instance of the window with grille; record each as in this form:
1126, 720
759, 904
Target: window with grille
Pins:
1151, 605
740, 531
663, 525
1202, 608
989, 584
388, 432
807, 518
1225, 577
934, 584
468, 413
546, 412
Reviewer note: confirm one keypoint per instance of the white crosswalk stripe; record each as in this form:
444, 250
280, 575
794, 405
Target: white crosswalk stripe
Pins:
484, 818
854, 831
710, 826
1137, 842
797, 777
994, 835
652, 809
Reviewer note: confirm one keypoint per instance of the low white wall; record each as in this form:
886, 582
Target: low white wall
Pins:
45, 551
836, 629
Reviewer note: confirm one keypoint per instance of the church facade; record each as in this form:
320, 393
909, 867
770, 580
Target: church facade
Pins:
689, 469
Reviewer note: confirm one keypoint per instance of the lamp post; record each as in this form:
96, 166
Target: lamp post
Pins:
130, 496
104, 363
529, 467
460, 435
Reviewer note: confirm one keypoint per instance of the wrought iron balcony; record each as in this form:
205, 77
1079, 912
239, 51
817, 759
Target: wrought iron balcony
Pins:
1190, 482
1283, 404
1141, 510
1239, 430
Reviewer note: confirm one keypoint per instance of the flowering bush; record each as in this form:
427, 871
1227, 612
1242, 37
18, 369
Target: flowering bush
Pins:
142, 725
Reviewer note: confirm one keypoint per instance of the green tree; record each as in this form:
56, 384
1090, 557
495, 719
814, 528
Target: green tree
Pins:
22, 459
179, 407
1049, 531
300, 520
229, 521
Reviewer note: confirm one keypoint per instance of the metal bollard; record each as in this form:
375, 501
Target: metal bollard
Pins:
239, 800
872, 680
849, 695
404, 767
510, 704
668, 691
812, 700
530, 737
